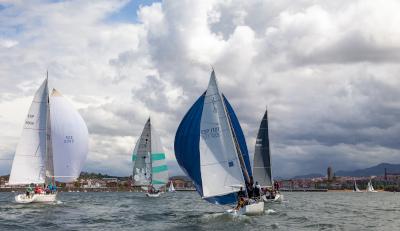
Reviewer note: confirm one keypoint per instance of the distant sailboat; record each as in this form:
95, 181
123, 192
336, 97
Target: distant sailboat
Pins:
370, 188
150, 170
262, 160
53, 145
211, 149
355, 187
171, 187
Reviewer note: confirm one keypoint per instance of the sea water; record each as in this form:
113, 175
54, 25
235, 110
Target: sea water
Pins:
187, 211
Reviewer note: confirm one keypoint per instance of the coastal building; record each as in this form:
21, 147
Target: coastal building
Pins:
330, 173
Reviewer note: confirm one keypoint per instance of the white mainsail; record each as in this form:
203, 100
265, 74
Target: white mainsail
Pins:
70, 138
29, 160
219, 163
141, 158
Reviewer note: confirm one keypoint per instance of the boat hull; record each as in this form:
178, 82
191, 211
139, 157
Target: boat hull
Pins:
35, 198
278, 198
153, 194
253, 209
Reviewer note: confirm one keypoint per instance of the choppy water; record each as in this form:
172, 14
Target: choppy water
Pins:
186, 211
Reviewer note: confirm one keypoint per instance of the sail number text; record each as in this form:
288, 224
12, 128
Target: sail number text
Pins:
68, 140
210, 132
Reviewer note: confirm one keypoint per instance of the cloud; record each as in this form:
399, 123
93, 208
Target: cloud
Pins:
326, 70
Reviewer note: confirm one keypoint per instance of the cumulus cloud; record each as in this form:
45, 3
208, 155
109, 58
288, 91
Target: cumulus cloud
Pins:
326, 70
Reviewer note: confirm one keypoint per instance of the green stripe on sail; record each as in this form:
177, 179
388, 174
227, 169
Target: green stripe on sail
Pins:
134, 157
157, 182
160, 168
158, 156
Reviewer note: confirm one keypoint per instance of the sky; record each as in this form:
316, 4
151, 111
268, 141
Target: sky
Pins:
328, 72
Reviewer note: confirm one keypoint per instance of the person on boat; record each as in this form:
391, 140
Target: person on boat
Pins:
29, 191
257, 191
276, 185
241, 193
241, 203
36, 189
249, 189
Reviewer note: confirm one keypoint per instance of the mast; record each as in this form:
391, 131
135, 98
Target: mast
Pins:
151, 161
49, 166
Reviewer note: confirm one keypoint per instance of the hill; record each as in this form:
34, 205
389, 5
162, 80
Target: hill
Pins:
378, 170
308, 176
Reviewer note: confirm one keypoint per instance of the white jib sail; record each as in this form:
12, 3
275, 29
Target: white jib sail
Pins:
220, 167
29, 160
70, 139
159, 166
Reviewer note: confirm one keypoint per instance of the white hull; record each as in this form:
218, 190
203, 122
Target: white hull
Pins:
35, 198
256, 208
278, 198
153, 194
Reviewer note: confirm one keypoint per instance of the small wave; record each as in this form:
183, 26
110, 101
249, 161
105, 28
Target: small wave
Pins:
57, 202
270, 211
224, 216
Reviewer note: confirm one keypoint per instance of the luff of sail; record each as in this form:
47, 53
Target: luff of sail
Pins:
70, 139
187, 150
30, 156
262, 157
141, 158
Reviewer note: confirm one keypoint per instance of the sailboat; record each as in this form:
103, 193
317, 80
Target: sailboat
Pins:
53, 145
150, 170
211, 149
355, 187
171, 187
262, 160
370, 188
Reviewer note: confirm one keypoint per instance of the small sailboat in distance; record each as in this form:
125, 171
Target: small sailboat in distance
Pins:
370, 188
53, 146
355, 187
150, 170
211, 149
262, 162
171, 187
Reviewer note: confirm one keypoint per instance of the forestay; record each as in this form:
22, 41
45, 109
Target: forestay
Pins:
29, 160
70, 138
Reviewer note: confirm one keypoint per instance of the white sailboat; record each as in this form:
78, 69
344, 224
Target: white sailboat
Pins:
171, 187
262, 162
150, 170
211, 149
53, 145
370, 188
355, 187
